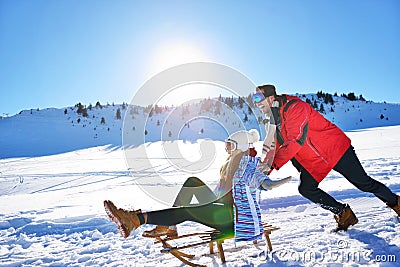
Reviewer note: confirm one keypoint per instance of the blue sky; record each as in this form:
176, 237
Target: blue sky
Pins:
59, 53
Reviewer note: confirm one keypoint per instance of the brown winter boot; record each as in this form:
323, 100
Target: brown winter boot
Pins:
396, 208
125, 220
345, 219
161, 230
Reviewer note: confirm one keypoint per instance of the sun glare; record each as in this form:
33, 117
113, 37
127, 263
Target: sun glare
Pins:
169, 55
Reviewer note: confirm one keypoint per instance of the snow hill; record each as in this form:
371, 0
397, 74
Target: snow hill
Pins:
51, 210
49, 131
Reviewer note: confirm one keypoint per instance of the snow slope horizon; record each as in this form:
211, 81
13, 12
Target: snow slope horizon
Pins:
53, 131
52, 215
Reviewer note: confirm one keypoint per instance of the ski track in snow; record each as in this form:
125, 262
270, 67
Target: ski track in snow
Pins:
52, 214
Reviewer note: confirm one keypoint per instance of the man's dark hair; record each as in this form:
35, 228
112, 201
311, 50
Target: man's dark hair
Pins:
267, 90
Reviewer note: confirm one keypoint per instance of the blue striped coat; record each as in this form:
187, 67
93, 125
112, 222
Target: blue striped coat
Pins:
246, 193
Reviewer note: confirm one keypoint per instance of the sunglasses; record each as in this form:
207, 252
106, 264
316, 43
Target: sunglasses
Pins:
230, 145
257, 97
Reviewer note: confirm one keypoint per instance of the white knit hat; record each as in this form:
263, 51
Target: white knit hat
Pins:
245, 139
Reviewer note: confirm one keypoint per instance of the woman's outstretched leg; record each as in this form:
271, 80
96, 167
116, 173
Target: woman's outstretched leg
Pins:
218, 215
193, 186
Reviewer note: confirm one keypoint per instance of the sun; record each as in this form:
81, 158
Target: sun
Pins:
169, 55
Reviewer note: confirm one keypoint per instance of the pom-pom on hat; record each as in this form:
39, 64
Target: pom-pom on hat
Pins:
244, 139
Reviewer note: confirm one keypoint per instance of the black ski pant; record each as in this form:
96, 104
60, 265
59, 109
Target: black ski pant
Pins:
212, 212
350, 167
193, 186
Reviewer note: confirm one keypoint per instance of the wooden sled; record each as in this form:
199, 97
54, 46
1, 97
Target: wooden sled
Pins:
207, 237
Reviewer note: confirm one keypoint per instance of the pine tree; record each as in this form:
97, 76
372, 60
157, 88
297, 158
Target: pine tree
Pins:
82, 110
84, 113
315, 105
80, 107
246, 119
321, 108
217, 110
103, 121
351, 96
118, 115
328, 99
241, 101
250, 101
250, 111
156, 109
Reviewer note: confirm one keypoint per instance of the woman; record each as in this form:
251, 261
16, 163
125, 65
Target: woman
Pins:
235, 210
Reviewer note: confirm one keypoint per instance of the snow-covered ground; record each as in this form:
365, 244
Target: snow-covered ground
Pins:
51, 211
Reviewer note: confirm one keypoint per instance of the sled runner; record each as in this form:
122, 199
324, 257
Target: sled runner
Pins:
202, 238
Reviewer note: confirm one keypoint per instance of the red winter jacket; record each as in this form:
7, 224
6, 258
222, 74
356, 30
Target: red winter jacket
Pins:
316, 143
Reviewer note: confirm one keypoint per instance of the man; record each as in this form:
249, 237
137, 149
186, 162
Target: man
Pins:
316, 146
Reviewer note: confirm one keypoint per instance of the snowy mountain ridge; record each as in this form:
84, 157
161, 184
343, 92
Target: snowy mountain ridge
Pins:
49, 131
